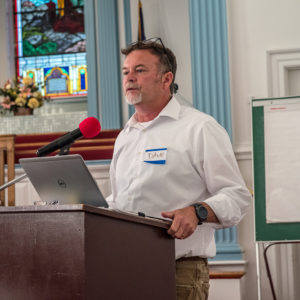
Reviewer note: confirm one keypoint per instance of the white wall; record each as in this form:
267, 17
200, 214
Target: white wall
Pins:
169, 20
255, 27
6, 44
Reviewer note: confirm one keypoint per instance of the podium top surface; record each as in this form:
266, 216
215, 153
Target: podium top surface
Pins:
127, 216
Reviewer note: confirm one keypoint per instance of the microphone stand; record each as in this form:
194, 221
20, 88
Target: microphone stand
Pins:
8, 184
65, 150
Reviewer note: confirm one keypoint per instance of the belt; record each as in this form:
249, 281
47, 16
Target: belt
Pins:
191, 258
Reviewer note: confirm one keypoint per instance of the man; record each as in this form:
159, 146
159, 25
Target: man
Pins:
176, 162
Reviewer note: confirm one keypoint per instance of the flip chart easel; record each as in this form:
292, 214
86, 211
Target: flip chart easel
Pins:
276, 170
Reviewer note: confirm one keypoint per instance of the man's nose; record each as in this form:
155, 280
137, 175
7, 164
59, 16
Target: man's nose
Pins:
131, 76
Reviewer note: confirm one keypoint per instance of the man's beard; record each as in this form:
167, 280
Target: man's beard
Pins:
133, 99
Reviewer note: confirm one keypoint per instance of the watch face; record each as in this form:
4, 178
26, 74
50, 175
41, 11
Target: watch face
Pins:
201, 212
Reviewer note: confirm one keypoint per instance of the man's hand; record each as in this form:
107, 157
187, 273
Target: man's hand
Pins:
184, 222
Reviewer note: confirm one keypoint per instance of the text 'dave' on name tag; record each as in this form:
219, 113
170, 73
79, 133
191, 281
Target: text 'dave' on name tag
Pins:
156, 156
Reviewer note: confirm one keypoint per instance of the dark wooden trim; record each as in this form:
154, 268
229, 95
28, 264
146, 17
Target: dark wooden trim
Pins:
226, 275
132, 217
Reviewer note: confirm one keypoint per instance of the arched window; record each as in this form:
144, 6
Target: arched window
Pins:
51, 45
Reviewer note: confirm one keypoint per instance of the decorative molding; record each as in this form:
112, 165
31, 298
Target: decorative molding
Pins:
210, 65
226, 275
128, 38
104, 95
76, 99
109, 49
127, 21
279, 62
10, 35
227, 245
92, 59
243, 152
211, 84
41, 123
226, 265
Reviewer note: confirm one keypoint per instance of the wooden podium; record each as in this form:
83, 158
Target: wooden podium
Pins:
82, 252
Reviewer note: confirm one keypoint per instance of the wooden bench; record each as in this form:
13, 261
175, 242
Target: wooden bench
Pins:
99, 148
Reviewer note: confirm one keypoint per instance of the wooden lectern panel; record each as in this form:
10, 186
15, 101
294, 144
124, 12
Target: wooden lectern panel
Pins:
80, 252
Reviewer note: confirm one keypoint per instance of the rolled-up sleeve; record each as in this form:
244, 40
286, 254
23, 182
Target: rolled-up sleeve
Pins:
229, 197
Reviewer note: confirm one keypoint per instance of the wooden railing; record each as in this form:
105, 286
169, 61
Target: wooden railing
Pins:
7, 157
99, 148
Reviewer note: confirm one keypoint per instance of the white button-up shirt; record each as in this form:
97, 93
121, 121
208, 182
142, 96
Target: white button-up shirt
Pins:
181, 157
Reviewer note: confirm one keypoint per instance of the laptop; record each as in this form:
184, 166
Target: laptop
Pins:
63, 180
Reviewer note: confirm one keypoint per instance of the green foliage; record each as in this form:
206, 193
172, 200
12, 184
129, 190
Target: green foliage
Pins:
30, 31
43, 49
45, 46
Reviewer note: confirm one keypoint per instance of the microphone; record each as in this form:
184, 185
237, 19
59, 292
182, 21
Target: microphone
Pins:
88, 128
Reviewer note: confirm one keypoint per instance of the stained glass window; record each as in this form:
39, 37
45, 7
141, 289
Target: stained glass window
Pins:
51, 45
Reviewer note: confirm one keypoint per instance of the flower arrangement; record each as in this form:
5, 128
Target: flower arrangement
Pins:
21, 93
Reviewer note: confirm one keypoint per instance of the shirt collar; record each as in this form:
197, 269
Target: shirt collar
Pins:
171, 110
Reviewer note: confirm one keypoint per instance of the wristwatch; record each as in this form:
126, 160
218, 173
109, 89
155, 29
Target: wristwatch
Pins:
201, 213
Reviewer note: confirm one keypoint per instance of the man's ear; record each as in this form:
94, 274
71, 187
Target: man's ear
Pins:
167, 79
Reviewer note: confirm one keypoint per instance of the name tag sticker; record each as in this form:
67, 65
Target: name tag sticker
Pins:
156, 156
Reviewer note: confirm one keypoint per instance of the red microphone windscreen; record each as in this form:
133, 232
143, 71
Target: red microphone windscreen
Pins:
90, 127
